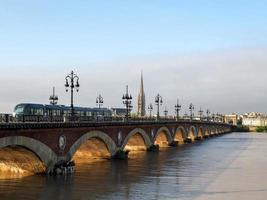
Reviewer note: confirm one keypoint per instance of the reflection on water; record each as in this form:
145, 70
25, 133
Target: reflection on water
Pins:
173, 173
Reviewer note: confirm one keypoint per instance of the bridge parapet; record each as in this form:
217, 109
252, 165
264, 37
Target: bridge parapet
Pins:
27, 125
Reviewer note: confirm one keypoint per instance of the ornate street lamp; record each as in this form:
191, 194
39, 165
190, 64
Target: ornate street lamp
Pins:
166, 112
127, 101
191, 108
158, 102
177, 109
72, 78
200, 112
150, 108
99, 101
53, 98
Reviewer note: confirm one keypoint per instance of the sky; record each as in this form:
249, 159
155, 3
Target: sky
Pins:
211, 53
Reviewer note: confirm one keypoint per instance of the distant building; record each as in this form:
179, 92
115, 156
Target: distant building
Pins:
231, 119
254, 119
141, 111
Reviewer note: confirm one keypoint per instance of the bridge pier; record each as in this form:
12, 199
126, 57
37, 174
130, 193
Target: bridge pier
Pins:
206, 136
153, 148
63, 167
120, 155
212, 135
187, 140
174, 144
198, 138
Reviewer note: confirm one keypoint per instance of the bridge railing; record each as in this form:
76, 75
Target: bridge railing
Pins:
8, 118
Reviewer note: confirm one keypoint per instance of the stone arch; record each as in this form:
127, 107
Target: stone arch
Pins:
110, 144
206, 131
194, 131
44, 153
142, 133
167, 133
212, 131
180, 130
201, 132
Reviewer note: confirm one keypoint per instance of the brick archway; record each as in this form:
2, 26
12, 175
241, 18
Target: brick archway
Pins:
201, 131
181, 130
143, 134
194, 131
44, 153
166, 132
110, 144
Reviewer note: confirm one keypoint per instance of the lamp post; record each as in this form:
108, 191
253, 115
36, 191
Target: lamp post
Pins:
99, 101
166, 112
200, 112
177, 109
208, 114
150, 108
127, 100
158, 102
191, 108
53, 98
72, 78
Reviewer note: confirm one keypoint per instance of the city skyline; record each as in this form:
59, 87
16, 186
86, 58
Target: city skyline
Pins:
214, 62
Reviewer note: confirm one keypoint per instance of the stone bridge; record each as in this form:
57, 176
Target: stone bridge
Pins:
55, 144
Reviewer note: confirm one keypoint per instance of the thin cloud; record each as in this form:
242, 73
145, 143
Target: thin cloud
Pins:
223, 81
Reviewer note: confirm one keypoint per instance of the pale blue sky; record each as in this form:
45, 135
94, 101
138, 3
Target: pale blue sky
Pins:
34, 32
44, 40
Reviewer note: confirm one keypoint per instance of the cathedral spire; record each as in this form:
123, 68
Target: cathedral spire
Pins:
141, 99
142, 83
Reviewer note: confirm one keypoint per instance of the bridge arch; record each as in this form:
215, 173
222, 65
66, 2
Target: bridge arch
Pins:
163, 133
140, 132
201, 132
206, 131
42, 151
212, 131
192, 133
110, 144
180, 134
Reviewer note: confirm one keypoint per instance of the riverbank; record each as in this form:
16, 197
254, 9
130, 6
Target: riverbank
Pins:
258, 129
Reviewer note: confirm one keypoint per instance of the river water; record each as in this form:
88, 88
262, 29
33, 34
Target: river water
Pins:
232, 166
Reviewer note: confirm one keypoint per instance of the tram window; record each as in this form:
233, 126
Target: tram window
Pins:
39, 112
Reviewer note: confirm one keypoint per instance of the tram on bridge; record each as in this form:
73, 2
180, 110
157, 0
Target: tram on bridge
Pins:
42, 112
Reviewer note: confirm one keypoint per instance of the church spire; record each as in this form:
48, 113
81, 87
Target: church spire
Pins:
141, 99
142, 83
